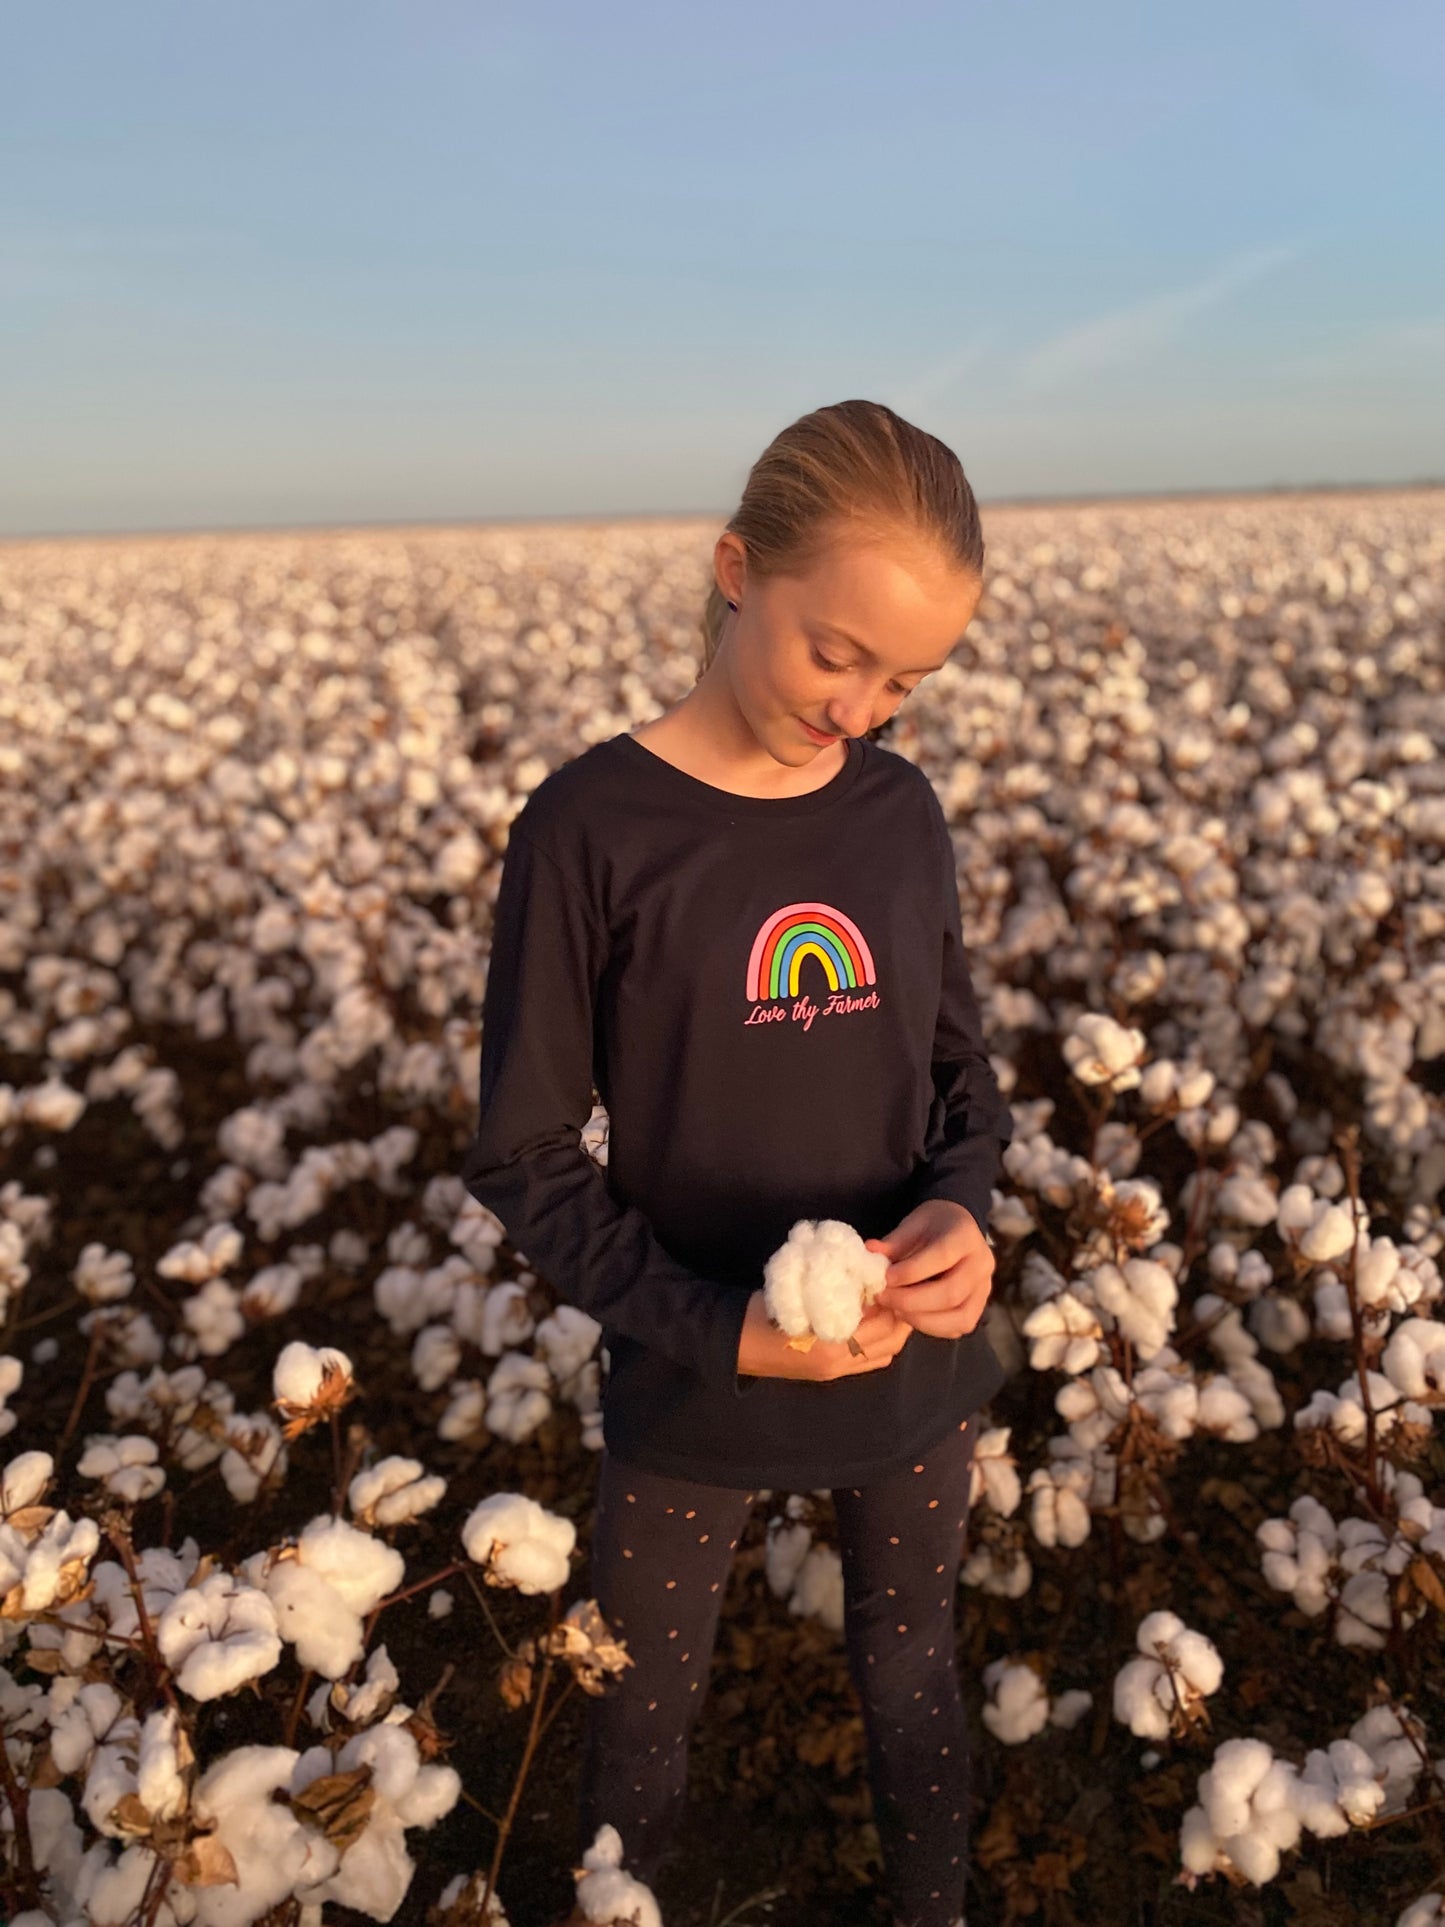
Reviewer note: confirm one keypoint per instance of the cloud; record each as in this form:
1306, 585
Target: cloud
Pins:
941, 375
1128, 332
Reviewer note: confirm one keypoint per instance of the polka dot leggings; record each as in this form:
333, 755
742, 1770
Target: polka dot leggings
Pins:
661, 1554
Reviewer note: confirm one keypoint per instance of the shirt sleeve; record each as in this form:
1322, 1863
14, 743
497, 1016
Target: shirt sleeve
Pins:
971, 1121
526, 1161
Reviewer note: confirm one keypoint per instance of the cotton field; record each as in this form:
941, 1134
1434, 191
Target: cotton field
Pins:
297, 1451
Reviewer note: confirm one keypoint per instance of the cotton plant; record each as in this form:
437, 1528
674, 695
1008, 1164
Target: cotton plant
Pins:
375, 1870
1254, 1806
606, 1892
1160, 1693
219, 1635
519, 1543
804, 1571
126, 1467
394, 1491
1017, 1703
309, 1384
322, 1585
820, 1281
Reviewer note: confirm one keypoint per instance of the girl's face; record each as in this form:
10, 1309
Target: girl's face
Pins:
813, 658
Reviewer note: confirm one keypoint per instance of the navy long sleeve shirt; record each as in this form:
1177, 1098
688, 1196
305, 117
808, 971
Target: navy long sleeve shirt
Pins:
772, 1000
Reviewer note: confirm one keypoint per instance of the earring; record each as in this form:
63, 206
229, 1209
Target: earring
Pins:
732, 605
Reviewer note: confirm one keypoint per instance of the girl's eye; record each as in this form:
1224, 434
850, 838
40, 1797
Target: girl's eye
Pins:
837, 668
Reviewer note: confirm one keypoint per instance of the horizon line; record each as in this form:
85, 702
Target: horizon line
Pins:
595, 519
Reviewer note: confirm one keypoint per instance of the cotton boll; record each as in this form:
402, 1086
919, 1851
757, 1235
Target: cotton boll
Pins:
1069, 1708
819, 1280
519, 1543
818, 1588
23, 1480
507, 1320
1140, 1295
786, 1548
465, 1414
163, 1757
218, 1635
993, 1473
256, 1453
312, 1615
606, 1894
1099, 1051
273, 1851
439, 1604
567, 1339
435, 1356
303, 1372
126, 1466
361, 1568
1018, 1706
1337, 1789
393, 1491
1059, 1515
1003, 1572
1064, 1333
1279, 1323
1424, 1912
519, 1396
1414, 1358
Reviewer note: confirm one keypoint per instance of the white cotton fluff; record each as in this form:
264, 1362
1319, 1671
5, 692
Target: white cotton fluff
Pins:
1140, 1295
23, 1481
357, 1566
1070, 1707
1099, 1051
1338, 1789
519, 1396
218, 1635
273, 1850
818, 1589
1414, 1358
393, 1491
435, 1355
376, 1870
64, 1545
159, 1778
566, 1339
1065, 1332
255, 1453
1299, 1553
507, 1320
1246, 1816
993, 1472
606, 1893
1155, 1694
1424, 1912
820, 1279
300, 1368
127, 1466
1018, 1704
312, 1615
519, 1543
1059, 1514
785, 1549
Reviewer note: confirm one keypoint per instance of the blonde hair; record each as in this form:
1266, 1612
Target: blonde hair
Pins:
851, 461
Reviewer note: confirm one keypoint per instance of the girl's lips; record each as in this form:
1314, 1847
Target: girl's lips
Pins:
817, 735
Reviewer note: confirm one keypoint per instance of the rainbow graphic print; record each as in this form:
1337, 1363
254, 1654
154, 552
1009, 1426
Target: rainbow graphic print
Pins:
819, 931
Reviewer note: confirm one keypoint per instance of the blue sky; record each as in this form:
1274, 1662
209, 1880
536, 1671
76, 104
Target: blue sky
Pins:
266, 265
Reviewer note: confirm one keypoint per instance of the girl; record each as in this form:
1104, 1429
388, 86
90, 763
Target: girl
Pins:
741, 922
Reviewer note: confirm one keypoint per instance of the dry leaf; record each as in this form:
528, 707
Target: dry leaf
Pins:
131, 1814
1427, 1582
338, 1805
206, 1862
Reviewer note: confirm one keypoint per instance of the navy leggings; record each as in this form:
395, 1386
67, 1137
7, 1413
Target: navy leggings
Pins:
661, 1554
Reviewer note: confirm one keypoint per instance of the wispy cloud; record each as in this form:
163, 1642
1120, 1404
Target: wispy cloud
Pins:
1128, 332
941, 375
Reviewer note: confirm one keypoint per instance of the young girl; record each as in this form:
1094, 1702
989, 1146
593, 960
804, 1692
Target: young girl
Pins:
741, 923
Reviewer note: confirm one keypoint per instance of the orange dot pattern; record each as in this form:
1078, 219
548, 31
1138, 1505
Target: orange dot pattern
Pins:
662, 1593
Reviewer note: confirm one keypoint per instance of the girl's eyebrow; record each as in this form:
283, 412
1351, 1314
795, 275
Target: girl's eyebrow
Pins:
927, 670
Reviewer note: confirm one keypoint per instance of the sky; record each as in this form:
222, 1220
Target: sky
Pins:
273, 265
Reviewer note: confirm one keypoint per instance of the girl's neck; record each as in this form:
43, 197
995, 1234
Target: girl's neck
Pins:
706, 736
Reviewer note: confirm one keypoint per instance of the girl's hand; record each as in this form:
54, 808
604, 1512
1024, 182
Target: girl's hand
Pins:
764, 1351
942, 1271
